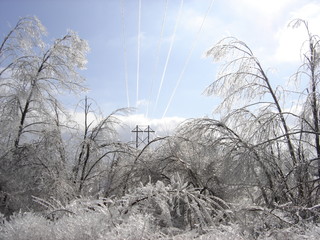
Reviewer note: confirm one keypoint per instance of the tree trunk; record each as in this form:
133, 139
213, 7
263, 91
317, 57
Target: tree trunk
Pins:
314, 103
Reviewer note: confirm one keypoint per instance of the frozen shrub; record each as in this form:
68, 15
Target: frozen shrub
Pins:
85, 226
176, 205
26, 226
137, 226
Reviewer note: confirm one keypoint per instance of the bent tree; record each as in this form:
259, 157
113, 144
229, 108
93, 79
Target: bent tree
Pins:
254, 109
33, 73
98, 153
310, 70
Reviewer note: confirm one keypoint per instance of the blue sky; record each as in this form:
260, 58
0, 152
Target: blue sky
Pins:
261, 24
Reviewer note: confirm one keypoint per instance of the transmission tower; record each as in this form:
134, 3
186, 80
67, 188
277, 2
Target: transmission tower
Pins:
140, 135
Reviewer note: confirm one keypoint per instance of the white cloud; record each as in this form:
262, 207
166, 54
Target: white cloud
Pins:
290, 40
162, 127
261, 15
192, 20
252, 21
142, 102
309, 12
289, 44
79, 118
266, 7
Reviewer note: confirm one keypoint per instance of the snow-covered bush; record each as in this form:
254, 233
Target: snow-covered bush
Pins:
176, 205
147, 212
84, 226
24, 226
96, 225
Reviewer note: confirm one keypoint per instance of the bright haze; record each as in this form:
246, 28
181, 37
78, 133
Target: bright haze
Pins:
149, 54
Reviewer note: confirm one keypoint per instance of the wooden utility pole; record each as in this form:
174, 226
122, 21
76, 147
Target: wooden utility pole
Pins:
139, 135
148, 130
137, 130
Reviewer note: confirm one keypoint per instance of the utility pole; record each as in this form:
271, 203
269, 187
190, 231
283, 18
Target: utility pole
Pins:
139, 135
148, 130
137, 130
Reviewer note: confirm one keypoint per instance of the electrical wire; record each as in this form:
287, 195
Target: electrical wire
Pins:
125, 52
138, 54
157, 55
187, 59
169, 54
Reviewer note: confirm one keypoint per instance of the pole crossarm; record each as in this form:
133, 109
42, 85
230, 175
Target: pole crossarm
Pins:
140, 139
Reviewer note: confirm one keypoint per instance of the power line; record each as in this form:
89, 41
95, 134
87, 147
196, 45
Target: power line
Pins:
157, 54
187, 59
125, 52
138, 57
169, 53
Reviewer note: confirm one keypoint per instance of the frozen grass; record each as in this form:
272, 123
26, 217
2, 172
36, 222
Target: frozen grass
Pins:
96, 225
154, 212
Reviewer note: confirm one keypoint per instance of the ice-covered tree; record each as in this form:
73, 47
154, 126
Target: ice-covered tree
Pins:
260, 137
99, 151
32, 74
